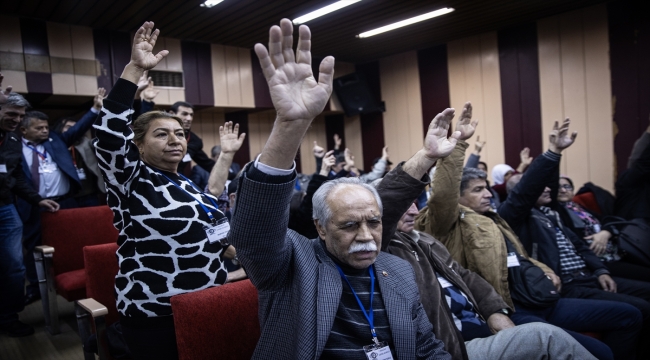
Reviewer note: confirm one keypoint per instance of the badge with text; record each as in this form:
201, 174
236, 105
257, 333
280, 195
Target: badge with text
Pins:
217, 231
378, 351
81, 173
3, 168
512, 260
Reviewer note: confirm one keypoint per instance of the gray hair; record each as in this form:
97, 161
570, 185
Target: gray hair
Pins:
321, 210
470, 174
512, 182
27, 120
16, 100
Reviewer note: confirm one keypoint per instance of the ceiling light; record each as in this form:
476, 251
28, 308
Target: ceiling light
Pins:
406, 22
323, 11
210, 3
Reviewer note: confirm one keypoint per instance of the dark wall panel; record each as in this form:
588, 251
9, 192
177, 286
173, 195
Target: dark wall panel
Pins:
434, 82
629, 42
38, 77
372, 125
34, 36
197, 72
520, 94
335, 124
113, 51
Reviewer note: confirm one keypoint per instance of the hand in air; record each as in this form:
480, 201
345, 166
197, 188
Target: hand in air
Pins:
319, 152
560, 138
230, 142
436, 143
143, 42
465, 125
328, 161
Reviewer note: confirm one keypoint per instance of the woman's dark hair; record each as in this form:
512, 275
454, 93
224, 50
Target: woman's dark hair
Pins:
61, 123
141, 124
567, 179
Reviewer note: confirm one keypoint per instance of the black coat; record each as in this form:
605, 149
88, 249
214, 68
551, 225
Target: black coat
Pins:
195, 150
633, 189
535, 229
13, 182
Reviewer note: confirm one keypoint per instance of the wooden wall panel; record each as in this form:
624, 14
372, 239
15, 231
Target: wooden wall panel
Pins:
400, 89
474, 76
246, 78
232, 76
206, 125
172, 62
259, 128
575, 83
16, 79
10, 37
315, 133
59, 40
83, 46
354, 141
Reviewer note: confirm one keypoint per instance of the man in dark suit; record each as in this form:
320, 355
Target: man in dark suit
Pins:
311, 291
48, 167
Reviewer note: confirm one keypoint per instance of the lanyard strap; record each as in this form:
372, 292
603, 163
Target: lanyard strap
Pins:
43, 155
74, 157
205, 208
369, 315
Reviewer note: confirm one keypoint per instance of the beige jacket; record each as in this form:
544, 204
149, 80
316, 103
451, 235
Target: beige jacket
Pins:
475, 241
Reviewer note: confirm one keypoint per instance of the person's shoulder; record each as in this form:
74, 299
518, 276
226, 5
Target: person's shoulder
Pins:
397, 264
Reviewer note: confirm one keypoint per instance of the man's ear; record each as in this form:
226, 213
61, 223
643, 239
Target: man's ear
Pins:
321, 229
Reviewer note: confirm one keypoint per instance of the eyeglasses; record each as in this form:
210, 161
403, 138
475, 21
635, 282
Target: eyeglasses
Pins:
566, 187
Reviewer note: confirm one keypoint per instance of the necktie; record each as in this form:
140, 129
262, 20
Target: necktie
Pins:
36, 178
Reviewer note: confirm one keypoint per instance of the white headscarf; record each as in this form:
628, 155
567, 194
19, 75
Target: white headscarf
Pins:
499, 171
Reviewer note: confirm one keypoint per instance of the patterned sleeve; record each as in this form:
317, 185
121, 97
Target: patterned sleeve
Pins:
117, 155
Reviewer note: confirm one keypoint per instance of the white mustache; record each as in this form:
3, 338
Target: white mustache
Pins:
362, 246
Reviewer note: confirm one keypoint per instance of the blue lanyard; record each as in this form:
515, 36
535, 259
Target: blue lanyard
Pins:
205, 208
370, 315
41, 154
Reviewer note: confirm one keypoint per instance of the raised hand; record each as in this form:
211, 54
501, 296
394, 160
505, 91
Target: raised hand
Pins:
230, 142
525, 157
295, 93
142, 57
149, 92
144, 81
98, 100
337, 142
319, 152
349, 159
384, 153
436, 143
478, 146
328, 161
4, 94
465, 125
560, 138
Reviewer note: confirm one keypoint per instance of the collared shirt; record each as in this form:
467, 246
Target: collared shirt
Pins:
53, 183
570, 261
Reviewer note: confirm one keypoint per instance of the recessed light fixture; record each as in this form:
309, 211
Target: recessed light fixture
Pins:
406, 22
323, 11
210, 3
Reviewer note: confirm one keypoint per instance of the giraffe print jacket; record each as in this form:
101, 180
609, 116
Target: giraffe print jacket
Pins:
163, 247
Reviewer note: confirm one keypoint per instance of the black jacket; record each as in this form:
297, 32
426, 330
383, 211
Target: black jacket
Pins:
535, 229
633, 189
301, 220
195, 150
13, 182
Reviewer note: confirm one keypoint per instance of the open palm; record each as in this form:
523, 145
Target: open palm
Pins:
143, 43
230, 141
465, 125
295, 93
436, 143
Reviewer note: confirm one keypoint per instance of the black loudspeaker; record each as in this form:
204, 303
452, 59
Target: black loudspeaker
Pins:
354, 95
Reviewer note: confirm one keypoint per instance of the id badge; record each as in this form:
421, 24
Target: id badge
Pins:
596, 228
512, 260
379, 351
217, 232
187, 158
81, 173
3, 168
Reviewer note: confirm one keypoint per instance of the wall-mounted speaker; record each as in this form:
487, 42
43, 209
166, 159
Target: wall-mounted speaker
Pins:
354, 95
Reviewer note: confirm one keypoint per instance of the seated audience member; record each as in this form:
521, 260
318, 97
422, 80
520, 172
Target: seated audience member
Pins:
473, 162
633, 185
231, 141
379, 167
459, 215
531, 216
501, 173
50, 169
311, 292
597, 235
464, 308
170, 232
301, 220
12, 184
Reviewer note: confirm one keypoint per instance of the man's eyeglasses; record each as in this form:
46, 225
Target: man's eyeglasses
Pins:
566, 187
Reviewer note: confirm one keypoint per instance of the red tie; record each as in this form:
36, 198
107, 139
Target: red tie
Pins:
36, 178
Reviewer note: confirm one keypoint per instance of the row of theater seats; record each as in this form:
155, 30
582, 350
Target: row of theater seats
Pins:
78, 262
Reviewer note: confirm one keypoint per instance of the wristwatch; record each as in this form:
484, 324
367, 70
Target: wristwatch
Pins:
505, 312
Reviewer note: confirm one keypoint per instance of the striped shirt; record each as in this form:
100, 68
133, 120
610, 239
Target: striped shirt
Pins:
351, 331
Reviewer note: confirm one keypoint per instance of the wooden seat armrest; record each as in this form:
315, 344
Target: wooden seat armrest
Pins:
45, 249
93, 307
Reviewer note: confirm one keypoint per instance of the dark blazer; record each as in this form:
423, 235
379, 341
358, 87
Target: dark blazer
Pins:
13, 182
57, 148
300, 288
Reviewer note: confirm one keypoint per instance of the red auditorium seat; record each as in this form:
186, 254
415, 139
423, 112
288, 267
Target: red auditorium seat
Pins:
588, 201
60, 260
217, 323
